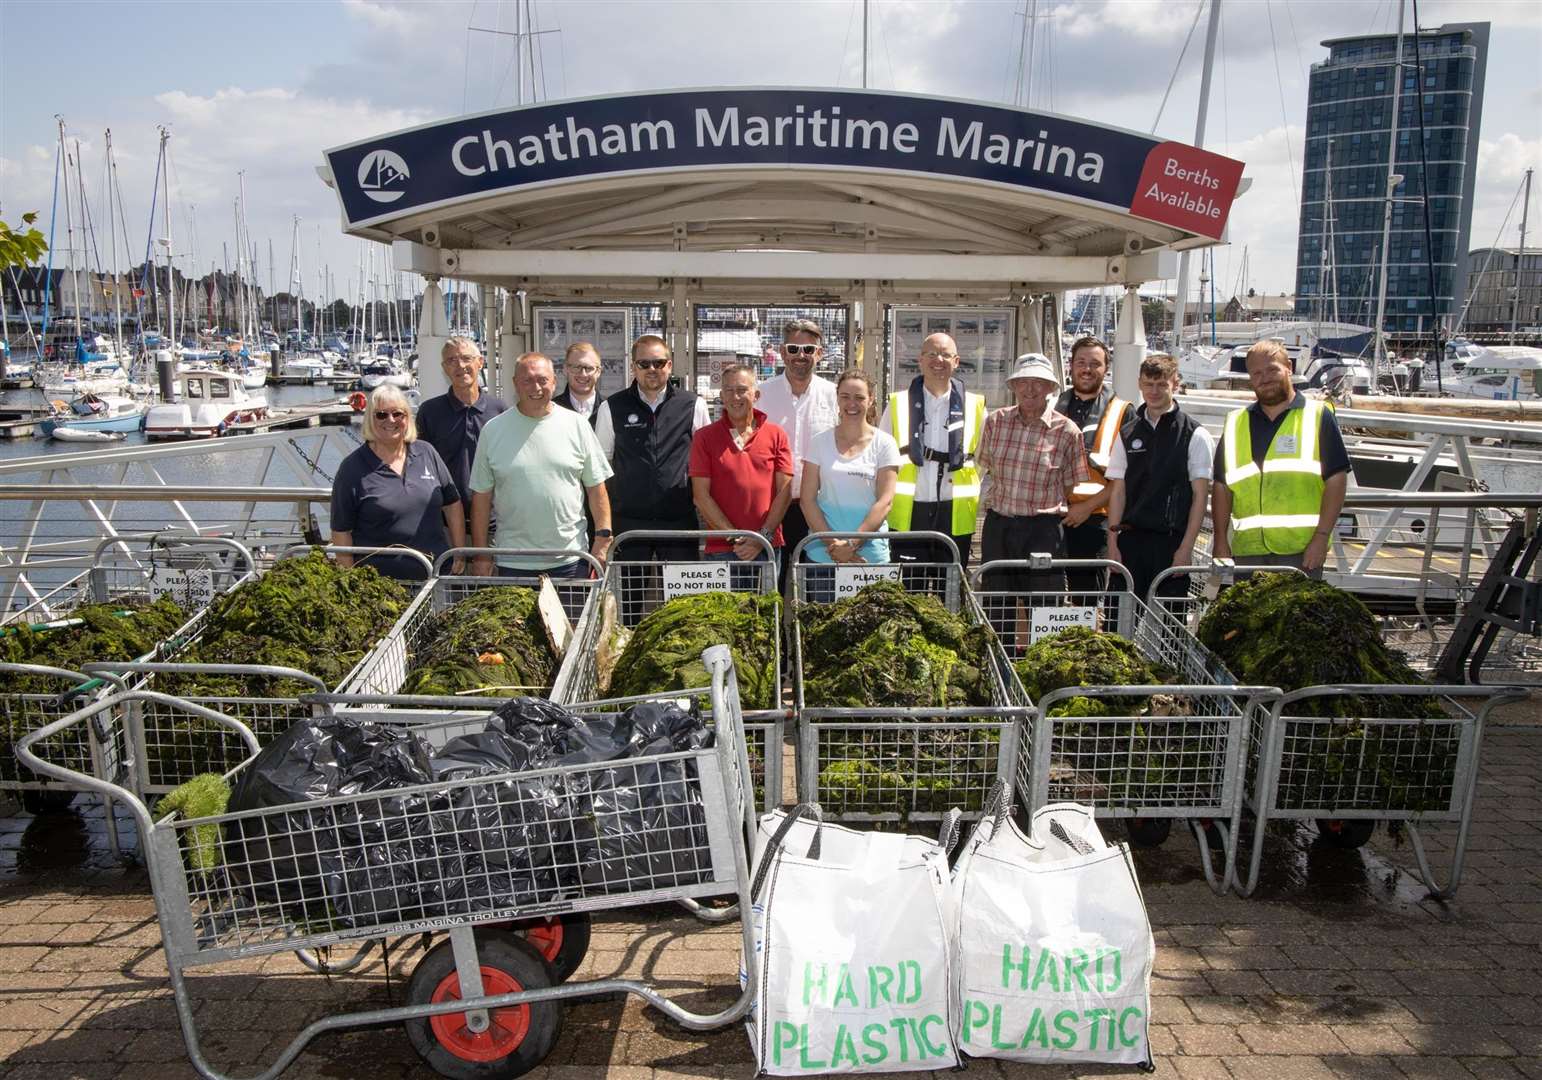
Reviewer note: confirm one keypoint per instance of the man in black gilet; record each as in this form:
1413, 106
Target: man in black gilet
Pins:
645, 430
1159, 481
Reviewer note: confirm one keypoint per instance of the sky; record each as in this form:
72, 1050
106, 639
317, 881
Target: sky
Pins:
256, 91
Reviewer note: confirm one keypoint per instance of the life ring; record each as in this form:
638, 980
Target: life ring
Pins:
356, 400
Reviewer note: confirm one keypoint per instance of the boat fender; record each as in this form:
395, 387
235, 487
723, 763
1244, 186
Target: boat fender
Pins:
356, 401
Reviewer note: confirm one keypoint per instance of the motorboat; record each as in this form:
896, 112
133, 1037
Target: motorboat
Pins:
97, 376
384, 371
95, 412
1499, 373
207, 403
1338, 373
306, 370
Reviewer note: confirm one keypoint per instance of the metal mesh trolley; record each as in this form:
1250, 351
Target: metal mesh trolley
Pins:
1345, 770
882, 763
482, 1002
189, 569
1161, 752
635, 589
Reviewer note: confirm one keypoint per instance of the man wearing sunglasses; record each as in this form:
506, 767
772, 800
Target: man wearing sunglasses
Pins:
645, 431
803, 405
453, 421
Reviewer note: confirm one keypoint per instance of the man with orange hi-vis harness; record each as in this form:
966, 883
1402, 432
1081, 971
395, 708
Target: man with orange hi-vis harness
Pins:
1099, 414
1281, 471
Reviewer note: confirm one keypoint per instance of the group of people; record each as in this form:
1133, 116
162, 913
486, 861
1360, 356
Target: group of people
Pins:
1082, 475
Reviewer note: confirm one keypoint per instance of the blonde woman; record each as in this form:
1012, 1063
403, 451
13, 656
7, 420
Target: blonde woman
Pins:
395, 491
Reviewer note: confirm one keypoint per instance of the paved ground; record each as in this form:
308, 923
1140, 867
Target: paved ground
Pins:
1340, 966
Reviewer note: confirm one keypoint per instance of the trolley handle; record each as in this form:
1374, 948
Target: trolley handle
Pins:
1040, 560
105, 787
300, 551
1495, 695
691, 534
1224, 571
172, 539
1254, 694
84, 685
525, 553
105, 667
921, 534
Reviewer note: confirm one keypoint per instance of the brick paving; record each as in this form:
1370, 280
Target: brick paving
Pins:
1339, 967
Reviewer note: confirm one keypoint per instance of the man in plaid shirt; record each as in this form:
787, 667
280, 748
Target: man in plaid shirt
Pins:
1031, 457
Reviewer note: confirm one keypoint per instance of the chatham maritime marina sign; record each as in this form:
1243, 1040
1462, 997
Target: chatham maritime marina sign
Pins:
472, 157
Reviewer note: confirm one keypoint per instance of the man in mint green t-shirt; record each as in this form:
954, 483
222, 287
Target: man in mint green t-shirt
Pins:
535, 465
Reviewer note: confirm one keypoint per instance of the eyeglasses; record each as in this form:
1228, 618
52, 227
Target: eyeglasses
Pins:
390, 414
799, 350
938, 355
650, 365
582, 369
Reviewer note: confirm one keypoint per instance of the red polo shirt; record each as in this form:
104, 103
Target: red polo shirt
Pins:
743, 482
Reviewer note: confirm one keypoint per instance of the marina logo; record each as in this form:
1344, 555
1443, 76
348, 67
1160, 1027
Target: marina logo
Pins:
382, 175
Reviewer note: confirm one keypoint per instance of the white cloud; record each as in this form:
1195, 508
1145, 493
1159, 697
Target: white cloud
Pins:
395, 20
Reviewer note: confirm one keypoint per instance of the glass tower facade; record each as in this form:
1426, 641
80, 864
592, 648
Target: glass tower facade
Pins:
1349, 132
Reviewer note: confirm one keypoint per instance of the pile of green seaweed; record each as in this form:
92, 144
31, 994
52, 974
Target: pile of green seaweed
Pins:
664, 651
1082, 656
492, 639
307, 614
1292, 632
886, 647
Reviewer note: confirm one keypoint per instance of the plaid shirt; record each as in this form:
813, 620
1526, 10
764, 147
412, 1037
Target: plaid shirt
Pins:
1029, 464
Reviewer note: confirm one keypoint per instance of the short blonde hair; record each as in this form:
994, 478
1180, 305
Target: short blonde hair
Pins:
386, 396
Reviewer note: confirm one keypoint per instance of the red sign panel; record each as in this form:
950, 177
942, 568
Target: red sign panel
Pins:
1187, 188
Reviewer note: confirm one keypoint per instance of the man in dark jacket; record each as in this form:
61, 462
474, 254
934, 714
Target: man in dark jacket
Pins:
581, 366
1159, 480
645, 430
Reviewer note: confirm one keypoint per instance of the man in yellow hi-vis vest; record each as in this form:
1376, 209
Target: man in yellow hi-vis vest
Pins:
1281, 471
937, 425
1099, 414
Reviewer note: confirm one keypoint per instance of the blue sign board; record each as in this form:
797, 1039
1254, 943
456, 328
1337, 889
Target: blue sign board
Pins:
471, 157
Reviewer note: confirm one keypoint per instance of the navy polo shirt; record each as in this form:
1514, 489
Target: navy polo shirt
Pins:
382, 509
452, 428
1330, 441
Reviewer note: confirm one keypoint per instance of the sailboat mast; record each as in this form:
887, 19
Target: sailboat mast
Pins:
1520, 255
171, 283
1393, 179
69, 230
1211, 33
112, 232
1325, 256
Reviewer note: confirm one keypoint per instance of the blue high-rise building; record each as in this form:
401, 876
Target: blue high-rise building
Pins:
1349, 107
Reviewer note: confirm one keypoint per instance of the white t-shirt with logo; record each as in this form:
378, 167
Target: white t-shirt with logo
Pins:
848, 488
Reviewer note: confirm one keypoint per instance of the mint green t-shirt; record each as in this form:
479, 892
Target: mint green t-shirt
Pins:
537, 470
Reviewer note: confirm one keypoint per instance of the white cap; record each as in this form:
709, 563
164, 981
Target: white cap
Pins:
1032, 365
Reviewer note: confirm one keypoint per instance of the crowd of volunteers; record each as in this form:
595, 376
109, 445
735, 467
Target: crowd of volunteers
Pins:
1081, 475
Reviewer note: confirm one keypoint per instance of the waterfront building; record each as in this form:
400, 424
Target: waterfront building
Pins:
1349, 121
1491, 285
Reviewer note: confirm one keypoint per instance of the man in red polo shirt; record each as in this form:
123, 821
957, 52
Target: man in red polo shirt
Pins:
741, 470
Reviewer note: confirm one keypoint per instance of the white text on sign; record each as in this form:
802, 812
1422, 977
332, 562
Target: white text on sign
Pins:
683, 579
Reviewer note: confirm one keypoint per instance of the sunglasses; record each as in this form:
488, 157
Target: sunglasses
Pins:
390, 414
650, 365
799, 350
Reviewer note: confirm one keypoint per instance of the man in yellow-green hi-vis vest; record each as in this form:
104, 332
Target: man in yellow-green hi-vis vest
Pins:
937, 425
1281, 471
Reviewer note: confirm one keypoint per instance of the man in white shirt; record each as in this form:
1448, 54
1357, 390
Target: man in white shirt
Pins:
581, 365
803, 405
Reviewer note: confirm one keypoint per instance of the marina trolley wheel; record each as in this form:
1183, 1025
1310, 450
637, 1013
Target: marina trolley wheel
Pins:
517, 1038
562, 941
35, 801
1147, 831
1348, 833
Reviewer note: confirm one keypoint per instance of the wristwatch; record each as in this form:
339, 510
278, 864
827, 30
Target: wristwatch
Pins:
606, 533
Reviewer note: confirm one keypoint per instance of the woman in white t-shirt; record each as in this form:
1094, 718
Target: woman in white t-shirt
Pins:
849, 475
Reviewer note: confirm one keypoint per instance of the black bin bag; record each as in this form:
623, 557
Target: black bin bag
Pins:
479, 832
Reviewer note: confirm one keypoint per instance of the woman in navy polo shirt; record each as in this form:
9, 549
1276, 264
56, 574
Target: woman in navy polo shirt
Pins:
395, 491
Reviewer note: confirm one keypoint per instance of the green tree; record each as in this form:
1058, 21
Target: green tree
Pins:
18, 248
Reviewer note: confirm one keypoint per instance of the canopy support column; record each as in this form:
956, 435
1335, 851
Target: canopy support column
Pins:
873, 335
432, 334
1129, 346
513, 343
677, 331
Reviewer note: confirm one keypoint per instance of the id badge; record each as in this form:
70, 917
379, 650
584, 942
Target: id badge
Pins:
1287, 444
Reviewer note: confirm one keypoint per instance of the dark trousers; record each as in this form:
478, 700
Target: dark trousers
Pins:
1145, 554
578, 568
794, 529
1089, 540
1004, 537
931, 517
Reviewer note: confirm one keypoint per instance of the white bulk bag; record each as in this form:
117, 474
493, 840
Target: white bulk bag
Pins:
1054, 949
851, 935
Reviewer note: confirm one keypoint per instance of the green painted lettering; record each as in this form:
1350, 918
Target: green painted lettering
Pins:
1037, 1033
844, 990
1049, 967
1095, 1018
909, 980
872, 1038
810, 984
996, 1028
785, 1037
937, 1049
878, 980
898, 1024
1126, 1039
1077, 969
845, 1050
1065, 1025
804, 1061
1007, 967
1116, 974
975, 1015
